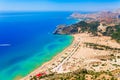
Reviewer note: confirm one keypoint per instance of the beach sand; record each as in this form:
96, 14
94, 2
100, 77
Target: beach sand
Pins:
77, 55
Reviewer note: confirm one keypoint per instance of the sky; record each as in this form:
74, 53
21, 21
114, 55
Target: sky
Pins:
58, 5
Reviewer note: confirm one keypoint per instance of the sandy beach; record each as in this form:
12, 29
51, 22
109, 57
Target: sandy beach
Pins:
78, 55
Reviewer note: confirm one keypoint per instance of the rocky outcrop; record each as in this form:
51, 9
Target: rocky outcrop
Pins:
59, 29
65, 30
102, 28
77, 28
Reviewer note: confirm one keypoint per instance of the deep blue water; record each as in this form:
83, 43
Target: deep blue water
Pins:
30, 41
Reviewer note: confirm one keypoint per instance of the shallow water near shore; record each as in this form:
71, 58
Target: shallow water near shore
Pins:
31, 42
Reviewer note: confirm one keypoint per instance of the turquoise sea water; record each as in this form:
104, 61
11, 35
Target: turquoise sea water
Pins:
30, 39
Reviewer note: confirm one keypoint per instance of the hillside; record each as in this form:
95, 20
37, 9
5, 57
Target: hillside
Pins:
94, 28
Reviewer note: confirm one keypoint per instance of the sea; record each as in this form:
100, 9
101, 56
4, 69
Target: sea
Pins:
27, 41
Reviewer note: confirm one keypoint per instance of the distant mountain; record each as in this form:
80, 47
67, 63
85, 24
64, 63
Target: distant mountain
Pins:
107, 17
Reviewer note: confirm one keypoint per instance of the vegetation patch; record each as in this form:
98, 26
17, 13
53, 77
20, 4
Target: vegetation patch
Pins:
77, 75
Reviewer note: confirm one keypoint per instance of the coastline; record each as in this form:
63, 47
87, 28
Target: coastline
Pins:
80, 56
44, 67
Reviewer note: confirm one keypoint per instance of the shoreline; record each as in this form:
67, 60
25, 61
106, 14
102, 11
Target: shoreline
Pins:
49, 62
80, 56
